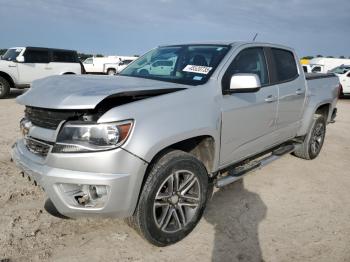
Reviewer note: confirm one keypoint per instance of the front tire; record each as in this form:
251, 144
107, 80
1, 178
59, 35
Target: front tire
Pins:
4, 87
172, 200
313, 142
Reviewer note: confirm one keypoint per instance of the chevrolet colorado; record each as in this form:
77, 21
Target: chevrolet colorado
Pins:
151, 146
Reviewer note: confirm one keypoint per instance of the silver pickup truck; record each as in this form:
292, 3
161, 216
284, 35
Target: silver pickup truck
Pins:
151, 143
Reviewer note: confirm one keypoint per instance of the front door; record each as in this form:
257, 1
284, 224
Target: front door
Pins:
248, 119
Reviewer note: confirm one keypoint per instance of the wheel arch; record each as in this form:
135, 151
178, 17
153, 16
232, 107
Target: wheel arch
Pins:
8, 78
323, 108
202, 147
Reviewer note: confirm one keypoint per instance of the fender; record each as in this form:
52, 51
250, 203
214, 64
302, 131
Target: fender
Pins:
10, 78
308, 115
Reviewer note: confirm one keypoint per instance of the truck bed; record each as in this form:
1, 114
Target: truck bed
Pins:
311, 76
322, 89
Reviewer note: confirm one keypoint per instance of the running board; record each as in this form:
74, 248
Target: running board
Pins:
241, 171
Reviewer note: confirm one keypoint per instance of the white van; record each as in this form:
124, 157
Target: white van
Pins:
20, 66
325, 64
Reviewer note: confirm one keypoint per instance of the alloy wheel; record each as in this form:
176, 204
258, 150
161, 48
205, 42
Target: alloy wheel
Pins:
177, 201
317, 138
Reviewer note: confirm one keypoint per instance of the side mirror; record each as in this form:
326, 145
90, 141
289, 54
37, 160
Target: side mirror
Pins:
244, 83
20, 59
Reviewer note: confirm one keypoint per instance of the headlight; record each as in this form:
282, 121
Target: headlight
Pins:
77, 136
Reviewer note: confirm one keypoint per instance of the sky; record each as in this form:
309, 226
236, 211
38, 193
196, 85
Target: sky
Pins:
113, 27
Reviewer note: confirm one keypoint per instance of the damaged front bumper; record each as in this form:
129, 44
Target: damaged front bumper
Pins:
86, 184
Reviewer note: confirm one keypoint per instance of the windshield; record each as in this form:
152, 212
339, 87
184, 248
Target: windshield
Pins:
185, 64
11, 54
340, 70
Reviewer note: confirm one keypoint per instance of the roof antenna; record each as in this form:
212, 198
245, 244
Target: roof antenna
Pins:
256, 34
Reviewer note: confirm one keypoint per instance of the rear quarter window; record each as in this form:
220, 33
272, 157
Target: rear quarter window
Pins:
286, 67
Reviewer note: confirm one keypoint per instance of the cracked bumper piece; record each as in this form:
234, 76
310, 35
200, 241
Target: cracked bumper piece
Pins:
87, 184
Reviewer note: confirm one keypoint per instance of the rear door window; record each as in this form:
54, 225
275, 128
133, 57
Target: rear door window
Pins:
285, 65
36, 56
64, 57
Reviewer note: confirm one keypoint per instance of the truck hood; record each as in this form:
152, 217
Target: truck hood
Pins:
86, 92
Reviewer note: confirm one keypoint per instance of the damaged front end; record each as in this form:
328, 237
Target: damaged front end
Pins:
78, 130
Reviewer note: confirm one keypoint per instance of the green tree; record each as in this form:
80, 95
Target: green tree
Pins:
330, 56
319, 56
342, 56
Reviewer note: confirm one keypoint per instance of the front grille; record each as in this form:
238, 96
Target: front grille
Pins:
49, 118
37, 147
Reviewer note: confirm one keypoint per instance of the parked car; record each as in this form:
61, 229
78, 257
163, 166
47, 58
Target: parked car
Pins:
20, 66
151, 147
116, 68
340, 70
325, 64
343, 72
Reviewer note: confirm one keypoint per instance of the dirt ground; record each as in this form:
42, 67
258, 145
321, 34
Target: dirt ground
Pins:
292, 210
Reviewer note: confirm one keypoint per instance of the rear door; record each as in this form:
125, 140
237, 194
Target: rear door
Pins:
248, 119
35, 66
291, 90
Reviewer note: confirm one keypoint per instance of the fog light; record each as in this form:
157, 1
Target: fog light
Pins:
97, 191
88, 196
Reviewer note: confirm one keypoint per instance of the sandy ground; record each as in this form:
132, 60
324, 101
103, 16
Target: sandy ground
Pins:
292, 210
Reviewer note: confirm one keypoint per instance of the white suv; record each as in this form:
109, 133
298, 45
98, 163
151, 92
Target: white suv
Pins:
20, 66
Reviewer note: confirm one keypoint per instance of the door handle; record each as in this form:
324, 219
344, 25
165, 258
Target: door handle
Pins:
299, 91
270, 99
48, 68
12, 66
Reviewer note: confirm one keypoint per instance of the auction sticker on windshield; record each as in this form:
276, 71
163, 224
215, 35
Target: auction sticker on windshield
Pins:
197, 69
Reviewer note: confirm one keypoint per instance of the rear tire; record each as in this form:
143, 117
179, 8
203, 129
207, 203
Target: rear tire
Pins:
111, 72
4, 87
172, 200
313, 142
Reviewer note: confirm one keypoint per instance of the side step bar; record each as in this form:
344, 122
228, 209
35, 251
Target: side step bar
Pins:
240, 172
